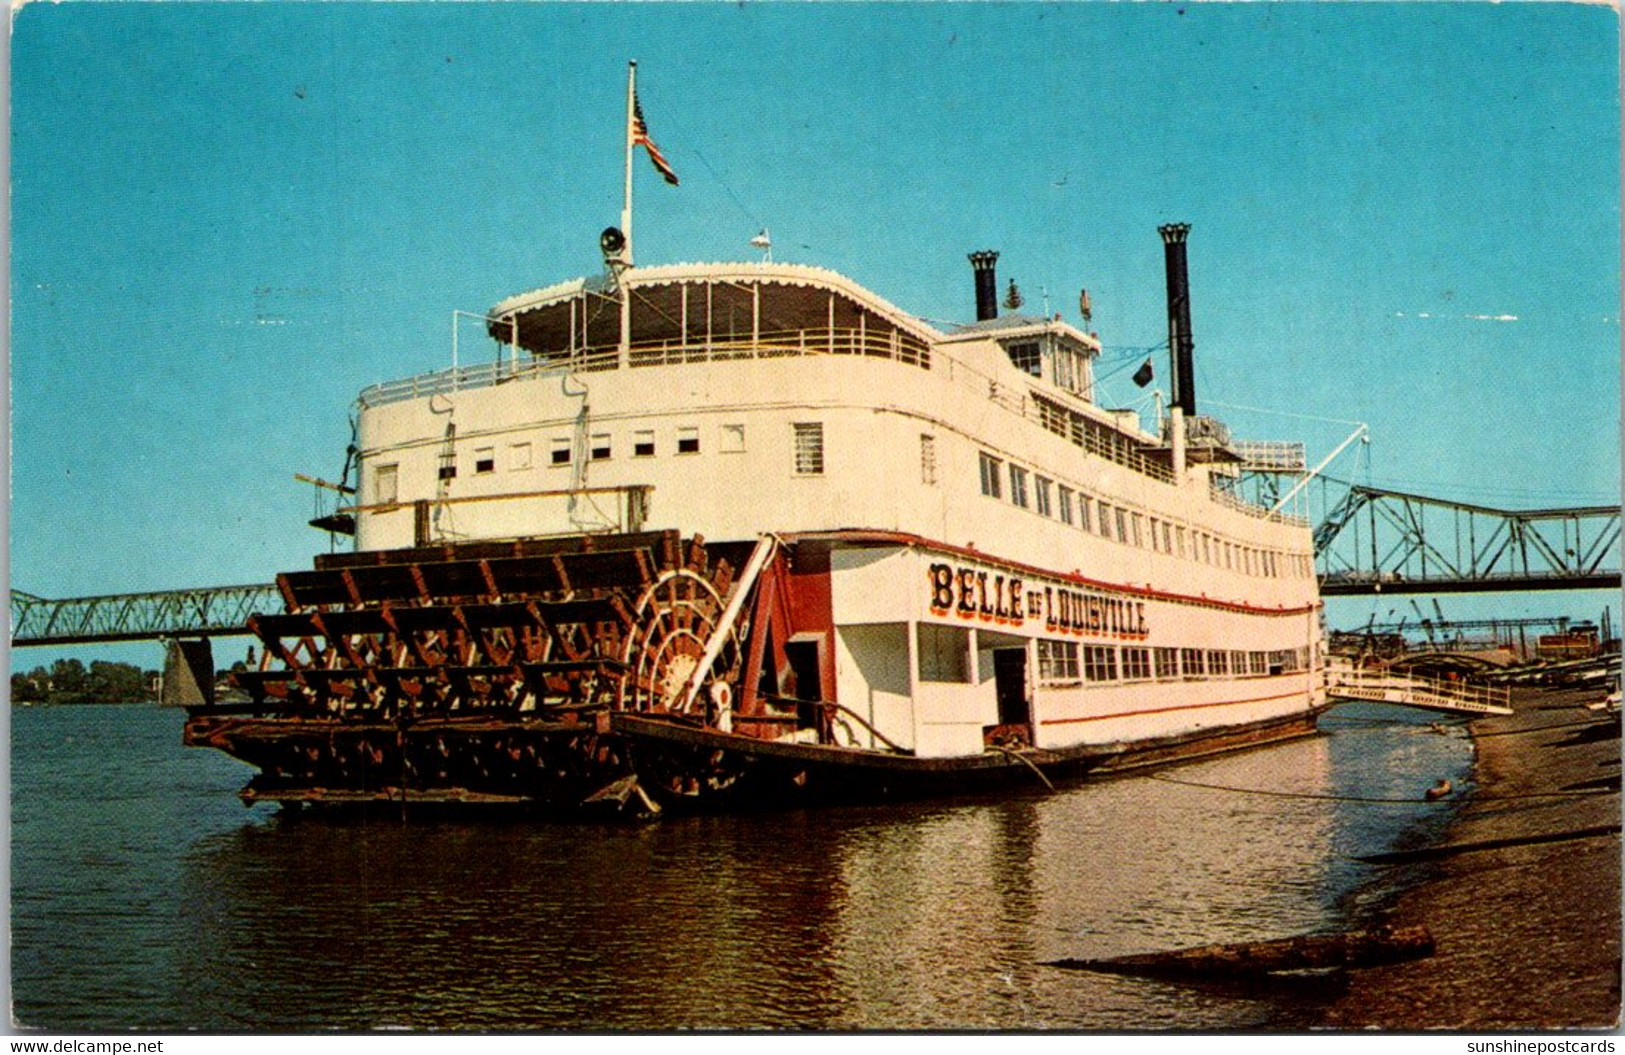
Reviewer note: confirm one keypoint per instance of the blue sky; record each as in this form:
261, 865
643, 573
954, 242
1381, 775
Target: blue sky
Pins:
228, 219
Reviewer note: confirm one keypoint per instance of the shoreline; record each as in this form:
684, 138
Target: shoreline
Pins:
1527, 932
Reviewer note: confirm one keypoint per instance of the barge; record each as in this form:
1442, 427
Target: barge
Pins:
722, 534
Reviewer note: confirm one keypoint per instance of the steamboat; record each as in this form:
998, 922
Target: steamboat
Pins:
722, 534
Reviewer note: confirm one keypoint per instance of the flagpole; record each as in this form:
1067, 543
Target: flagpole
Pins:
626, 208
623, 352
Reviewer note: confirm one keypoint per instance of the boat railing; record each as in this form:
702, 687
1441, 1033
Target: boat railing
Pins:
453, 379
890, 344
1271, 456
1230, 500
623, 508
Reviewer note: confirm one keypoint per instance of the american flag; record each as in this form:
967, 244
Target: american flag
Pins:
640, 137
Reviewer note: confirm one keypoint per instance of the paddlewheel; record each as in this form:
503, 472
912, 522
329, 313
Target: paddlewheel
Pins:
491, 672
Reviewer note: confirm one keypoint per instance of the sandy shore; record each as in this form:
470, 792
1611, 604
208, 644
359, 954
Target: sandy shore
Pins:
1528, 935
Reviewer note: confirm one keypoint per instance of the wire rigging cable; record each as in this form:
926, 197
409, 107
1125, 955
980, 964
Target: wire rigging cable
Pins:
1381, 801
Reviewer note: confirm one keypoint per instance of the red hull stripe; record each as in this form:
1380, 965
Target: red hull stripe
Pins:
1165, 710
903, 538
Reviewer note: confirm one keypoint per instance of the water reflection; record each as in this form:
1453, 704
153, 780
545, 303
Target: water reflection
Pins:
914, 916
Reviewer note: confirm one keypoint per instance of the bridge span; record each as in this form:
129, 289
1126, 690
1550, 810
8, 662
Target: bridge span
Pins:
1378, 540
204, 612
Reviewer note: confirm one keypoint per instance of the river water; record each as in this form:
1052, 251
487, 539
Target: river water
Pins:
145, 896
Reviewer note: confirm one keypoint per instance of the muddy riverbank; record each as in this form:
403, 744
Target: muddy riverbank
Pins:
1527, 929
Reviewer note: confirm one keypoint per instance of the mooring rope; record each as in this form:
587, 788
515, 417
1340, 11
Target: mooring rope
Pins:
1381, 801
1025, 760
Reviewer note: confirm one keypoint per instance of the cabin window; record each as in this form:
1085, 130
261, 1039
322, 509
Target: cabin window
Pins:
688, 441
1122, 525
1191, 661
928, 459
643, 443
1018, 486
1099, 663
1136, 664
1041, 491
559, 453
1083, 513
1057, 661
1070, 370
1218, 663
1066, 374
990, 475
1065, 494
518, 456
732, 439
944, 652
809, 437
1104, 518
1167, 663
386, 484
1180, 535
1238, 662
1027, 358
448, 466
485, 460
1167, 537
600, 447
1135, 521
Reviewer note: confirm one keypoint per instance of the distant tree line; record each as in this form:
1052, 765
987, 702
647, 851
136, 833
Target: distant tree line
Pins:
69, 681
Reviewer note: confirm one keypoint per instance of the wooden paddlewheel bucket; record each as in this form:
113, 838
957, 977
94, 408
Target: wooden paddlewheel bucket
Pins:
492, 672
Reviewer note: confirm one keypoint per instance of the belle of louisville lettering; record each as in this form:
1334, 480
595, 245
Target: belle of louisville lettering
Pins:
971, 593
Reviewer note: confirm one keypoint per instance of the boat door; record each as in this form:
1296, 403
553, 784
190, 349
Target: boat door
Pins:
1010, 685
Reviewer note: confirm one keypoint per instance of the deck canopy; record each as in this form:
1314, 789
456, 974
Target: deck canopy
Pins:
710, 309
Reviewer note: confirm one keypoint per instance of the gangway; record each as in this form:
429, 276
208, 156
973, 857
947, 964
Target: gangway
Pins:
1428, 694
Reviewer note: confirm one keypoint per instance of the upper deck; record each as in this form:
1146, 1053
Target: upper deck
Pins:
738, 398
712, 309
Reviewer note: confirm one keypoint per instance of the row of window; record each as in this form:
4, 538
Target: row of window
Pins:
944, 655
808, 438
1050, 499
1064, 662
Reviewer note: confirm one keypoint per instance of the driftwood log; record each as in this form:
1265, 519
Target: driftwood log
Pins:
1360, 948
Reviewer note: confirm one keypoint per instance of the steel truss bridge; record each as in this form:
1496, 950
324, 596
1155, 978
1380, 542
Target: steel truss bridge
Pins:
1374, 540
1377, 540
212, 610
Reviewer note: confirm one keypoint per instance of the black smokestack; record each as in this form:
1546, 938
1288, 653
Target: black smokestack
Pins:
987, 292
1180, 345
